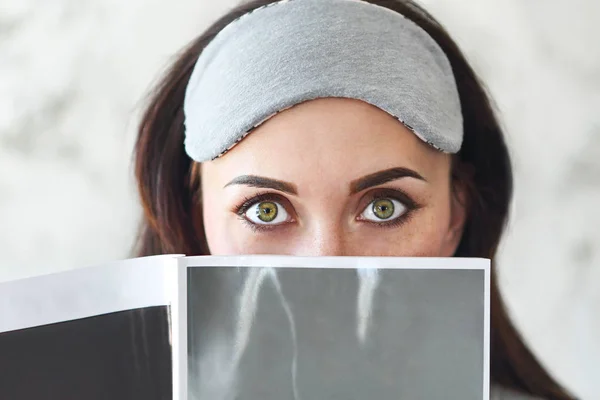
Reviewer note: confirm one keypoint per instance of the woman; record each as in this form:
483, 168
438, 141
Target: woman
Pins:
370, 135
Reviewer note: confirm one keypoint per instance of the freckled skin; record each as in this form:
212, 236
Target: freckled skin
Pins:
321, 147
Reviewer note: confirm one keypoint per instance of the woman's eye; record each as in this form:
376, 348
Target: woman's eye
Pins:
382, 210
267, 213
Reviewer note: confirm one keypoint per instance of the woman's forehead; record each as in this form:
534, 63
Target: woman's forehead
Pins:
328, 139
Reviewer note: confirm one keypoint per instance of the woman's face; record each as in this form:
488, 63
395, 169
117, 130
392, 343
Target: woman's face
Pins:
332, 177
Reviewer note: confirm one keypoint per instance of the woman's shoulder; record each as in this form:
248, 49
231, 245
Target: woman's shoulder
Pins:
500, 393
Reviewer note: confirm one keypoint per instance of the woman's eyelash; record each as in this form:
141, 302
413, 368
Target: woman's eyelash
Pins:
394, 194
255, 227
241, 208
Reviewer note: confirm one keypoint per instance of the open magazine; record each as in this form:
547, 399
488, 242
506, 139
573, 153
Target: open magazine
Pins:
249, 328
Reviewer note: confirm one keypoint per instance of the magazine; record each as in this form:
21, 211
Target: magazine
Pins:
249, 328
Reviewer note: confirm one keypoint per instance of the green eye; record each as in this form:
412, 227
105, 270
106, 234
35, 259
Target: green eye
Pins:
267, 211
383, 208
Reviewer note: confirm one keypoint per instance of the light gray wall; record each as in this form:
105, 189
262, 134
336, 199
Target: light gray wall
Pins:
72, 75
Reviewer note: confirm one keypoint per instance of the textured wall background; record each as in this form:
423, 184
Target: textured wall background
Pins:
72, 79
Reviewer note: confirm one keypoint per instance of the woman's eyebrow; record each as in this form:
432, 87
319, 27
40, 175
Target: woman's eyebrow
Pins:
381, 177
262, 182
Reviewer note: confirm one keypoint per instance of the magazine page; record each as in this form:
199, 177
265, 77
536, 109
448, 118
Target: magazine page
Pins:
270, 328
92, 333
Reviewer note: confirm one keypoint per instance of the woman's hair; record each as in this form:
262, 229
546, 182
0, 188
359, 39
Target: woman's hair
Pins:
169, 185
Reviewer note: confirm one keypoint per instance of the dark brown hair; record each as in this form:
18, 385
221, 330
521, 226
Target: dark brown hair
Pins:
172, 221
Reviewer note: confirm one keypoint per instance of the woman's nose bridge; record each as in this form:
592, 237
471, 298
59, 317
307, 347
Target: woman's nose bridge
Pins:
327, 240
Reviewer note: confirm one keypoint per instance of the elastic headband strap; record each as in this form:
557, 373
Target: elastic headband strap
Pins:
293, 51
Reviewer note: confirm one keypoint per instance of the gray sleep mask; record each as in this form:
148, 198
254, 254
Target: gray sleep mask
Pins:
293, 51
